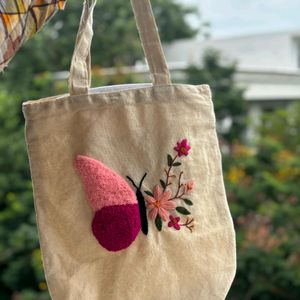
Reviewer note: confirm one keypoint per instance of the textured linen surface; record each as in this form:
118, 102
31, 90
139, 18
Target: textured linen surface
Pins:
131, 132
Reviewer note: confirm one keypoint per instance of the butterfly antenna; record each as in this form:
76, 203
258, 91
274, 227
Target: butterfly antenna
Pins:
142, 180
131, 180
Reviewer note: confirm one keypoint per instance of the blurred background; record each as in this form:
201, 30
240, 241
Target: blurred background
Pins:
249, 53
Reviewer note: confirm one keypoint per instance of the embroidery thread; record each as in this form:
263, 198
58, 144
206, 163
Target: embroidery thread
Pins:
165, 203
141, 201
120, 213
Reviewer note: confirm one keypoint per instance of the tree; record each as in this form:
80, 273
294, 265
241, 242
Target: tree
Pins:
20, 262
229, 103
115, 39
263, 192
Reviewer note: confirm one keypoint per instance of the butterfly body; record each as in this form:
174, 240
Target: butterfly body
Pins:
116, 222
142, 205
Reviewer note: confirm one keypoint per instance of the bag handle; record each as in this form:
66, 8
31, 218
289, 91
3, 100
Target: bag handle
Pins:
80, 71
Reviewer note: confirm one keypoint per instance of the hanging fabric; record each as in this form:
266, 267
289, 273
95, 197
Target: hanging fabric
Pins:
20, 20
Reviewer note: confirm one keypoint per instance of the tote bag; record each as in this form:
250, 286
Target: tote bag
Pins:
128, 186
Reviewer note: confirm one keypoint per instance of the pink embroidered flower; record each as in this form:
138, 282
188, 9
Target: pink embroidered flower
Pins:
160, 203
189, 186
182, 148
174, 222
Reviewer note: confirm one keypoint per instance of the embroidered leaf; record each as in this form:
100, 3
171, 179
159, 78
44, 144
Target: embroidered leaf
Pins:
158, 223
176, 164
149, 193
187, 201
162, 184
170, 160
182, 210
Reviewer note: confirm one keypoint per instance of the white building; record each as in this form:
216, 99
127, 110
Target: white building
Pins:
268, 64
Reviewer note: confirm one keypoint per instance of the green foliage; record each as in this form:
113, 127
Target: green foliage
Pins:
229, 103
263, 191
169, 12
284, 129
115, 40
19, 252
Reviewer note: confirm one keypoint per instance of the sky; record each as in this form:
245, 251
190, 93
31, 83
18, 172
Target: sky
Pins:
239, 17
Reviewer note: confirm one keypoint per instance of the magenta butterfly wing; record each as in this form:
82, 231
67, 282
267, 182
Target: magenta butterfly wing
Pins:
117, 221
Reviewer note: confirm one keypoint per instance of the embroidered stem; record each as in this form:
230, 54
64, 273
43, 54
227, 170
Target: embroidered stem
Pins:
168, 173
179, 186
188, 224
142, 205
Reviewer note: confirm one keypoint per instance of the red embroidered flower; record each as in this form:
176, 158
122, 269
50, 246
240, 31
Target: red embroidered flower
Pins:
182, 148
160, 203
174, 222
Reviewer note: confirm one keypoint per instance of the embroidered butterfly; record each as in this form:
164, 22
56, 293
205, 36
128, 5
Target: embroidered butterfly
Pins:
120, 213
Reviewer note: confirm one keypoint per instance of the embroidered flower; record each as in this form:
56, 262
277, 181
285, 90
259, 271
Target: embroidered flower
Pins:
172, 193
182, 148
174, 222
189, 186
159, 204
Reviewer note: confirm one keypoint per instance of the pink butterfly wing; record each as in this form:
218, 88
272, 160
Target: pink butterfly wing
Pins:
116, 222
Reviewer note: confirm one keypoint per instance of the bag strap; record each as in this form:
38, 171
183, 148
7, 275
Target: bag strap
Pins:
151, 43
80, 71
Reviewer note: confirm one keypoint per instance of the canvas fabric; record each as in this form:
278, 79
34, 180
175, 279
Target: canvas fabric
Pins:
131, 129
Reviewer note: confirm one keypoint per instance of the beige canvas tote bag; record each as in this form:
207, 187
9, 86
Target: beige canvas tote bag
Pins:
128, 185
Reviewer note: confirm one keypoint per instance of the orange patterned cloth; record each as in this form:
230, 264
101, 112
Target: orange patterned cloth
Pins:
21, 19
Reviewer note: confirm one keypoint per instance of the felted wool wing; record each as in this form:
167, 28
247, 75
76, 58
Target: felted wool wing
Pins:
116, 222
